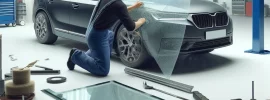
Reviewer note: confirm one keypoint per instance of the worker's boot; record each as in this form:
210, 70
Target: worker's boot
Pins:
70, 64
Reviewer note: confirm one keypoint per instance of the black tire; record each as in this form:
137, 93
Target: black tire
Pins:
43, 29
7, 24
14, 24
138, 55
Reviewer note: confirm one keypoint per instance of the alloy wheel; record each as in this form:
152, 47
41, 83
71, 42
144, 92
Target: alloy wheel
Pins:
129, 45
41, 26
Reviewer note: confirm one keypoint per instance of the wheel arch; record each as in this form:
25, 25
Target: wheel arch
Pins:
47, 14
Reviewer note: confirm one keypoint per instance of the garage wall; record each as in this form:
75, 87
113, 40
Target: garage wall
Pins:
229, 3
29, 8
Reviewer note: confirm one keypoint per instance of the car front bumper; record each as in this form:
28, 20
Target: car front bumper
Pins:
195, 40
191, 46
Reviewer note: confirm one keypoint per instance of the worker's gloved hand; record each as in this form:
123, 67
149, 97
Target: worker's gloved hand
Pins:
138, 4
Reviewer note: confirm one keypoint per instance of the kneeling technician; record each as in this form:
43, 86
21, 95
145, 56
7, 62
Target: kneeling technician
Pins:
100, 38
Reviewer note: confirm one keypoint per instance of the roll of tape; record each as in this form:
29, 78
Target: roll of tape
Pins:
21, 75
56, 80
14, 89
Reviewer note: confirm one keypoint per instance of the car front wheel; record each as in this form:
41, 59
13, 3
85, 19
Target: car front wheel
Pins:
43, 29
131, 49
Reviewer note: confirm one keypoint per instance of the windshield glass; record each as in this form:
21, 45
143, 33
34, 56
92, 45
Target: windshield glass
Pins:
164, 5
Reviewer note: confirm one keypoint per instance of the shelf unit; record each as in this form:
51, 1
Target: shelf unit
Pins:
238, 7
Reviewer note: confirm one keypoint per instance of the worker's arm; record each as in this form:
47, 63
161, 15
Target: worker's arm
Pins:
130, 8
123, 15
139, 23
136, 5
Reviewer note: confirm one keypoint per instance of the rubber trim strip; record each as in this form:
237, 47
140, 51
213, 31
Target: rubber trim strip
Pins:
159, 80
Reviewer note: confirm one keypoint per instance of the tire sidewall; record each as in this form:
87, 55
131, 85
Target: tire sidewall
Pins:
49, 36
143, 58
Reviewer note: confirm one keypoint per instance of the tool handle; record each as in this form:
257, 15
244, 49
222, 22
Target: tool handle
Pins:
170, 94
46, 68
45, 72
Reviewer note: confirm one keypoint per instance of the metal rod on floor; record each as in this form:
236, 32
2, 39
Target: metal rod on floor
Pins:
252, 89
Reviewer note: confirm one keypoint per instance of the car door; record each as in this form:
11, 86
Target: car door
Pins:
80, 15
59, 15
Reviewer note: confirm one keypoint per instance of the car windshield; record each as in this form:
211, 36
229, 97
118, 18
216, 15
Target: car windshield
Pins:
164, 5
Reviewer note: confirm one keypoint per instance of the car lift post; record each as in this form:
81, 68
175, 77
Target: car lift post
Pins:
258, 28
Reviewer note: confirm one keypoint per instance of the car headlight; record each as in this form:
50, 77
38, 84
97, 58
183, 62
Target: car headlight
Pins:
172, 17
167, 16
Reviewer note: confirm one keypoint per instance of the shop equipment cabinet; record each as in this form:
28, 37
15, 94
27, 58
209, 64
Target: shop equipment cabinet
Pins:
238, 7
8, 12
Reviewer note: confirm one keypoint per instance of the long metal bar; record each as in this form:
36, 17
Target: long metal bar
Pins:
175, 86
162, 82
252, 89
159, 80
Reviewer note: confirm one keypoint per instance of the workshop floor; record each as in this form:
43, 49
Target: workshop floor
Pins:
224, 74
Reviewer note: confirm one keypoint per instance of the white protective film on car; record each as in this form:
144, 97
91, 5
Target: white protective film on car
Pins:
164, 30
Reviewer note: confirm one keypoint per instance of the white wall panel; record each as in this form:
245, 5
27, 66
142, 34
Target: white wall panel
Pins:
29, 7
29, 10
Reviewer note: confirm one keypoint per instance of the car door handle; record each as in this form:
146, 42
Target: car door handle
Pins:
75, 6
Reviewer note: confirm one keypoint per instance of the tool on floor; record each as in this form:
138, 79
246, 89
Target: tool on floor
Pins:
56, 80
21, 85
152, 88
159, 80
46, 71
31, 64
47, 59
252, 91
198, 96
8, 76
236, 99
12, 58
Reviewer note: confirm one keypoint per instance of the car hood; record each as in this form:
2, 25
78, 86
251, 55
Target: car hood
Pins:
205, 6
196, 6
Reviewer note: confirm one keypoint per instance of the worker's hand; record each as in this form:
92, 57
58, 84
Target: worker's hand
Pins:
138, 4
142, 20
139, 23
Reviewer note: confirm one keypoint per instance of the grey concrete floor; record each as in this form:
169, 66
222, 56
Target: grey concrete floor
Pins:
224, 74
